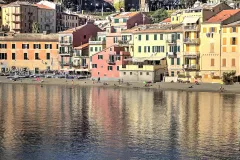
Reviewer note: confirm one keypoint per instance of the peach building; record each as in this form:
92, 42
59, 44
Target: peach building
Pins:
34, 52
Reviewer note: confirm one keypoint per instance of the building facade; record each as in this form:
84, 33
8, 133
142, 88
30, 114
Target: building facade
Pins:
33, 52
19, 16
46, 18
72, 38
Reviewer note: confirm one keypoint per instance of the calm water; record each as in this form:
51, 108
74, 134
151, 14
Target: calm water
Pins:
57, 122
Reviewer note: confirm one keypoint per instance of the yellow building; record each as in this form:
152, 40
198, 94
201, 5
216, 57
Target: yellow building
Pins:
219, 45
19, 16
152, 48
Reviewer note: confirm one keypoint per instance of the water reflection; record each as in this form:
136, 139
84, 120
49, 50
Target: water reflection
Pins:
60, 122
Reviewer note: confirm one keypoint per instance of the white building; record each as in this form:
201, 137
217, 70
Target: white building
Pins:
46, 18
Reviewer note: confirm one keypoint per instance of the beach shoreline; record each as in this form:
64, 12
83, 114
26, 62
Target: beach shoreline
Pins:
203, 87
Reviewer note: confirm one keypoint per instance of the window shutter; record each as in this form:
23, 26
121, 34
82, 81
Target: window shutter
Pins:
224, 49
231, 29
233, 62
233, 49
224, 30
236, 29
224, 62
27, 46
224, 41
204, 30
212, 62
230, 41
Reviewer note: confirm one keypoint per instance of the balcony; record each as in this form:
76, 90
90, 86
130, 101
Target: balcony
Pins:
140, 67
16, 28
66, 64
191, 67
125, 42
16, 13
171, 54
191, 28
191, 41
63, 42
97, 42
111, 62
171, 42
191, 54
66, 53
16, 21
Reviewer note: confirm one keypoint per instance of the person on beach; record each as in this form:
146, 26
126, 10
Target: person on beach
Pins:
98, 79
119, 81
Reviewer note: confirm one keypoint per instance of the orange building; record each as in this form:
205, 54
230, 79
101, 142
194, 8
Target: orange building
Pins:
34, 52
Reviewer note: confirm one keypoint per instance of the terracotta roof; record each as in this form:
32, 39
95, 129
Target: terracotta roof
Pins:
166, 20
71, 30
223, 15
126, 14
42, 6
83, 46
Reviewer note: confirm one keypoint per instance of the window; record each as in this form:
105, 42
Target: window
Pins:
212, 62
100, 56
117, 68
147, 37
3, 46
94, 65
172, 18
48, 46
178, 36
48, 56
172, 73
147, 73
140, 73
161, 36
36, 46
178, 61
57, 46
178, 48
110, 68
25, 56
233, 29
233, 62
84, 36
124, 73
96, 49
116, 20
172, 61
148, 48
130, 73
91, 49
224, 41
145, 49
100, 48
233, 40
155, 36
224, 62
13, 46
211, 47
118, 58
3, 55
139, 37
13, 56
212, 29
36, 56
25, 46
124, 20
115, 39
139, 49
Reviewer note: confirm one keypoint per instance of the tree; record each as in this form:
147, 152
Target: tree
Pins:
228, 77
35, 27
118, 5
159, 15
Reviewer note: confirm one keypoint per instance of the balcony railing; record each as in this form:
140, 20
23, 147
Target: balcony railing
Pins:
111, 62
66, 63
191, 67
16, 13
16, 21
97, 42
191, 54
171, 41
65, 42
66, 53
191, 28
191, 41
171, 54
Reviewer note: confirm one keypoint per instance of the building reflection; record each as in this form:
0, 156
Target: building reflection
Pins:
33, 116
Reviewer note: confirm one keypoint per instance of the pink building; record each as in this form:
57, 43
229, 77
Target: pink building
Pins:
105, 64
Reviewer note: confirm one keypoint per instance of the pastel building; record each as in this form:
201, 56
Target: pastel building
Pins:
127, 20
219, 49
33, 52
154, 47
46, 18
106, 64
72, 38
19, 16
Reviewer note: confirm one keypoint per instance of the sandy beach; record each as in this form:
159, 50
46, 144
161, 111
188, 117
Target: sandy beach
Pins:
203, 87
